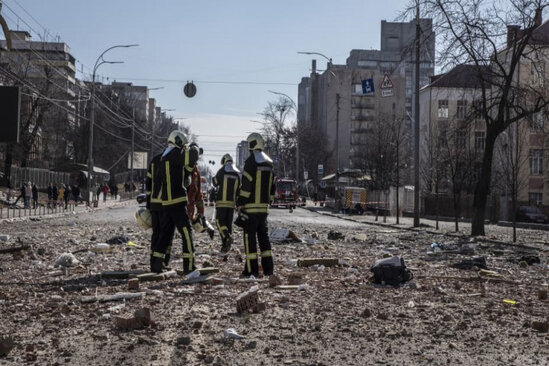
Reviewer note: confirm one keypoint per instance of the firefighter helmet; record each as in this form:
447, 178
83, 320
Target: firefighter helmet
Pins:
226, 159
255, 141
178, 138
143, 217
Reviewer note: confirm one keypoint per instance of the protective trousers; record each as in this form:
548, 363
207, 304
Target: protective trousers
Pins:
257, 227
157, 217
224, 221
176, 218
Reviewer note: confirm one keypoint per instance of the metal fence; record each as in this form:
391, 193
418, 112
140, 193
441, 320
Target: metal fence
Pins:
40, 210
41, 177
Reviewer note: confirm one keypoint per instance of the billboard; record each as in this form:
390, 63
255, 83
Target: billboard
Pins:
139, 160
10, 104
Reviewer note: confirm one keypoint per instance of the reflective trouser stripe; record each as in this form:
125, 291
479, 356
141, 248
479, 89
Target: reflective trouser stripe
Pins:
220, 229
246, 245
251, 256
158, 255
266, 253
189, 248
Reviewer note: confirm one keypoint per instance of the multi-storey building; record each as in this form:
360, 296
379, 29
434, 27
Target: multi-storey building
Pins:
45, 70
242, 154
340, 102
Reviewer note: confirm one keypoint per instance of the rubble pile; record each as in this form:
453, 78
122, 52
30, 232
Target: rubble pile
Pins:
65, 299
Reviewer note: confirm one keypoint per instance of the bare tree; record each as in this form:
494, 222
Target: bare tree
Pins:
484, 34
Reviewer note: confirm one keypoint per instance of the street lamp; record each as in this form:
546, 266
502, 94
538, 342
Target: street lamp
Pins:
317, 53
100, 61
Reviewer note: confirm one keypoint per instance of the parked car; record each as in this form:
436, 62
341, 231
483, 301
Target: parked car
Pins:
531, 214
141, 198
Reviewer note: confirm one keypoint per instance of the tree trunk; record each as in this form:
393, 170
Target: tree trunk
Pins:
483, 187
456, 209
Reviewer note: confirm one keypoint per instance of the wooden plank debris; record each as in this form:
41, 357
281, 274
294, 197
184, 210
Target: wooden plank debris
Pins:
121, 274
326, 262
116, 297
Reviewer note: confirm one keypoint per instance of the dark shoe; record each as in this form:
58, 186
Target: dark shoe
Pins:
245, 274
211, 233
226, 247
157, 265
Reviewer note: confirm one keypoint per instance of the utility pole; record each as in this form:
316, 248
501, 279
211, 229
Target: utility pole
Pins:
133, 143
416, 121
337, 132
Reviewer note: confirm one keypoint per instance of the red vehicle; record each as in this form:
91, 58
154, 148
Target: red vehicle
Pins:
286, 193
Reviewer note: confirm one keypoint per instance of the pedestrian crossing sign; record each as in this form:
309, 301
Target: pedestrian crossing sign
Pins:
386, 83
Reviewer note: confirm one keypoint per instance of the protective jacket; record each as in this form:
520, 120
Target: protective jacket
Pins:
227, 181
258, 188
153, 184
176, 165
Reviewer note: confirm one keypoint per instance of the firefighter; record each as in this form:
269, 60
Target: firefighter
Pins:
195, 205
176, 164
154, 205
256, 192
227, 182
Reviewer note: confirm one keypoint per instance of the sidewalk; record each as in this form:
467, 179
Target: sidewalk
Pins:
43, 211
493, 232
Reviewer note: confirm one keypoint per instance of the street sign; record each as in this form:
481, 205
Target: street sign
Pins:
139, 160
322, 184
305, 175
368, 87
320, 169
387, 92
386, 83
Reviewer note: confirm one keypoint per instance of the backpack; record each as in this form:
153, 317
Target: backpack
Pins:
390, 271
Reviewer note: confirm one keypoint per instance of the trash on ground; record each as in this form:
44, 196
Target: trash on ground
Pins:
282, 235
101, 248
335, 235
488, 274
529, 259
119, 239
471, 264
231, 333
4, 237
66, 260
510, 302
390, 271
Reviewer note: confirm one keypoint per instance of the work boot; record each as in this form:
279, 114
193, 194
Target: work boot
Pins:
211, 233
157, 265
226, 247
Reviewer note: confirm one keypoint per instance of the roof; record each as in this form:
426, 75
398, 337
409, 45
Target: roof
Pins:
462, 76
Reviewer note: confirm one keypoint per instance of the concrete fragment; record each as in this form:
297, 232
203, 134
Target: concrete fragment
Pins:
274, 281
183, 340
6, 345
4, 237
121, 274
140, 319
66, 260
542, 327
542, 294
116, 297
133, 284
296, 278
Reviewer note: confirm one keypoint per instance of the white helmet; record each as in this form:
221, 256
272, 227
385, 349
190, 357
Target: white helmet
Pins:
255, 141
144, 218
178, 138
226, 159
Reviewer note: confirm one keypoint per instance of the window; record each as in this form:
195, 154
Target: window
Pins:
443, 108
461, 139
477, 108
442, 139
536, 161
535, 198
480, 137
536, 121
461, 109
537, 73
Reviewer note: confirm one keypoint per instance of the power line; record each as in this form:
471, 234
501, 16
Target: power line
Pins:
206, 81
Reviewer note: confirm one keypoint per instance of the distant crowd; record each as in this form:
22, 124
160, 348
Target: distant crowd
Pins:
61, 195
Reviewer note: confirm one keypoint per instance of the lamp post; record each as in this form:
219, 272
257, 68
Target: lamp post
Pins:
100, 61
319, 54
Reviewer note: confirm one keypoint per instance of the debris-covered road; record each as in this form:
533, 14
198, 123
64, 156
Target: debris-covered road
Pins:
321, 315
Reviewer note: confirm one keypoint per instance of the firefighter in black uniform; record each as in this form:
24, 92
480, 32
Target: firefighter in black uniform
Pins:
227, 181
176, 165
154, 205
256, 192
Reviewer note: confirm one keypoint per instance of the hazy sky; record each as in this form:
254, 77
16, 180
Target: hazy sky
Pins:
234, 50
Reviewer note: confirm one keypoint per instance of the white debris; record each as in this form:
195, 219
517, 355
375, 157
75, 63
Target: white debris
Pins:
231, 333
66, 260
